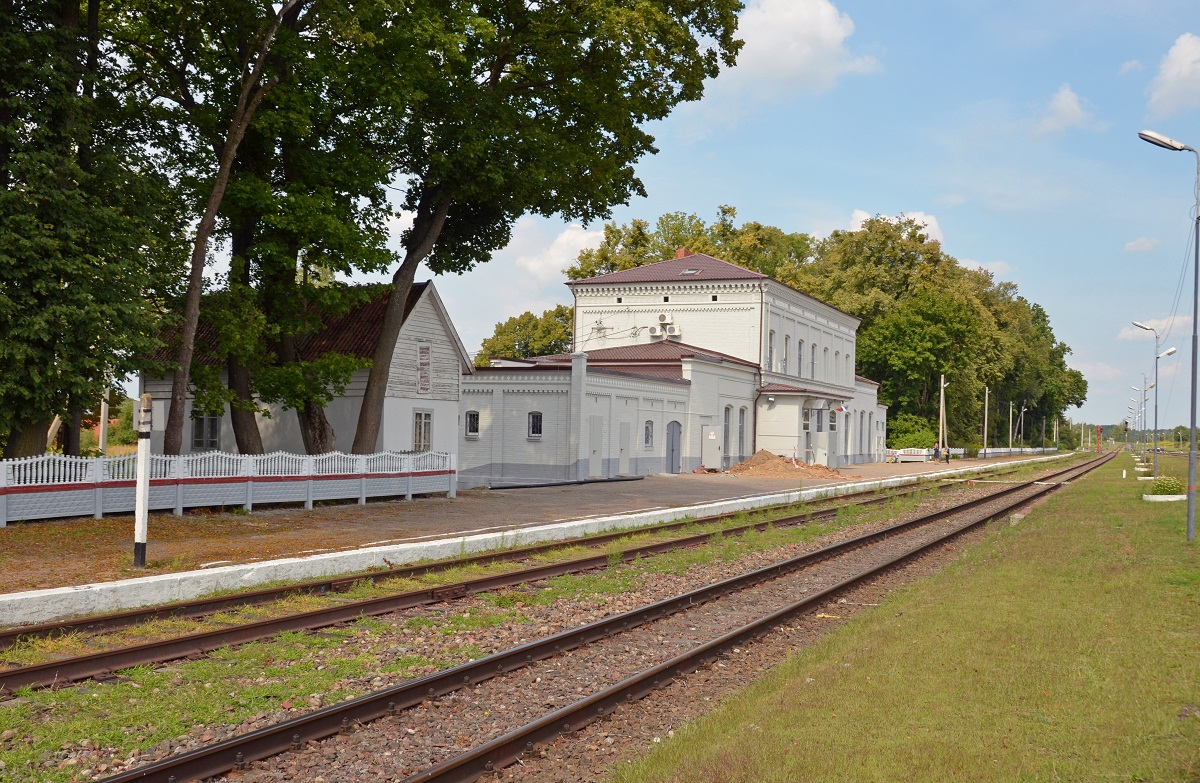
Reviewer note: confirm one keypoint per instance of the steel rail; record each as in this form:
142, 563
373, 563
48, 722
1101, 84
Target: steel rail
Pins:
236, 752
508, 748
207, 606
103, 663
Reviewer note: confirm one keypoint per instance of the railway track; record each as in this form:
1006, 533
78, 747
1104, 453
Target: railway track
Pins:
104, 662
695, 629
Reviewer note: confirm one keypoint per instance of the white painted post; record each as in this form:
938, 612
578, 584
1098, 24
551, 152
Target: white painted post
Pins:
96, 468
360, 464
141, 513
453, 493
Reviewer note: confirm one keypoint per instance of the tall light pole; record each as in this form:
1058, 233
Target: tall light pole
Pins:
1157, 356
1168, 143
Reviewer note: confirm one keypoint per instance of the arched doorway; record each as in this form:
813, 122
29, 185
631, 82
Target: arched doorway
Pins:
674, 446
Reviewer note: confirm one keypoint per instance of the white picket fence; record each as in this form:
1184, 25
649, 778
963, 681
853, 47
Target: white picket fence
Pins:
925, 455
54, 486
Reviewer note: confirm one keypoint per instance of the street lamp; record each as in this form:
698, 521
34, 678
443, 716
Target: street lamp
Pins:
1157, 356
1159, 140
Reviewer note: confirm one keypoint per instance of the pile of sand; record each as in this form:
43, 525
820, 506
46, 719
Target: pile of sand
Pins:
764, 464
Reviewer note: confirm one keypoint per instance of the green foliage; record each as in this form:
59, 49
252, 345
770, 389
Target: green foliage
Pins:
1167, 485
90, 229
907, 431
528, 335
764, 249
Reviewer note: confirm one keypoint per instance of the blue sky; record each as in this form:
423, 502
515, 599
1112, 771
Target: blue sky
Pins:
1010, 128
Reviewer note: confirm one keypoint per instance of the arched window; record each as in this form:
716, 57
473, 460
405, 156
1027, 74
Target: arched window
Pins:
771, 351
812, 366
648, 435
787, 349
837, 365
825, 365
741, 434
800, 360
726, 436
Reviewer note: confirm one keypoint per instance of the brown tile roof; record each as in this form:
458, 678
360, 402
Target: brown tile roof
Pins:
697, 266
866, 380
354, 333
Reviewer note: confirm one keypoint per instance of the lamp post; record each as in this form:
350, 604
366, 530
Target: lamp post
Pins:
1157, 356
1159, 140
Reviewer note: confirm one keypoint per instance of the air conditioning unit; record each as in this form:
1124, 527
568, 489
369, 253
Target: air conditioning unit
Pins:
664, 318
656, 331
672, 331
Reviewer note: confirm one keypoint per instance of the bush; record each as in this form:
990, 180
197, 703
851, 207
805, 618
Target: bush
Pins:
907, 431
1167, 485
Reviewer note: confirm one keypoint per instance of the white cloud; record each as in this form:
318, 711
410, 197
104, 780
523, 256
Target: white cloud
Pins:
545, 261
932, 229
1164, 326
1176, 87
1129, 66
998, 269
793, 46
1097, 371
1066, 110
1142, 245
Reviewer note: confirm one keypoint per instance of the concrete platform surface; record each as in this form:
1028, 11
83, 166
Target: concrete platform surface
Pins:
68, 567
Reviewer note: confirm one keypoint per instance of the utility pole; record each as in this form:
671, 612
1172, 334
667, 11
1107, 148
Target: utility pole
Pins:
985, 413
1010, 429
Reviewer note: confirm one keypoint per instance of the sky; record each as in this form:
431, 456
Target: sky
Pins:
1010, 129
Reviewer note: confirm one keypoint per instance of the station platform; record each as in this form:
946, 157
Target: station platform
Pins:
83, 551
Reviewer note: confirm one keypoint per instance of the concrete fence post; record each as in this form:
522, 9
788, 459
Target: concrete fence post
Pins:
360, 465
249, 472
175, 470
407, 466
5, 470
96, 468
309, 468
453, 491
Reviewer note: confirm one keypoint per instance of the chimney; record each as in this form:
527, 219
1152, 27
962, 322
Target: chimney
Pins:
683, 252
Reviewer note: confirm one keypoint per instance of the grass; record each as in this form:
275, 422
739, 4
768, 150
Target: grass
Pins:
1065, 647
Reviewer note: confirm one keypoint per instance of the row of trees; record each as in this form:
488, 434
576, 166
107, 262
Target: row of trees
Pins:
136, 137
923, 315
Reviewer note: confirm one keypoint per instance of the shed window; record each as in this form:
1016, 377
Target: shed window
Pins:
206, 432
648, 435
472, 424
535, 425
422, 430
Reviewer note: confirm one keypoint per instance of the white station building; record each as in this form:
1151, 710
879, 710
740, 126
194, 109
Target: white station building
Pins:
687, 363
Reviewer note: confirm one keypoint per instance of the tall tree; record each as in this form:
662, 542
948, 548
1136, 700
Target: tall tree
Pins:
537, 107
207, 66
88, 232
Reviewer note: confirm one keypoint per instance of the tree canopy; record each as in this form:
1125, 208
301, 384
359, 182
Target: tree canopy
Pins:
528, 335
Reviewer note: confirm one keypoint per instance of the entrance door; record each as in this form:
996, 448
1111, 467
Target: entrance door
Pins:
623, 460
674, 443
596, 442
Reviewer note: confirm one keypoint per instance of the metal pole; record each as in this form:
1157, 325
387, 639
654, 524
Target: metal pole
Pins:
142, 498
1191, 501
1156, 405
1010, 409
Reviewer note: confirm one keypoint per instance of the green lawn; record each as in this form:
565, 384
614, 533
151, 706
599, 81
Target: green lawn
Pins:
1065, 647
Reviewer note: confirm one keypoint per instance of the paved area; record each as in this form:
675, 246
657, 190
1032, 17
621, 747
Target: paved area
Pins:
62, 553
